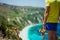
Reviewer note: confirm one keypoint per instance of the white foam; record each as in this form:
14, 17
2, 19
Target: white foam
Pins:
24, 32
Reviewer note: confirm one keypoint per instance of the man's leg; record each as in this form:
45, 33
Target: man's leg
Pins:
52, 35
51, 28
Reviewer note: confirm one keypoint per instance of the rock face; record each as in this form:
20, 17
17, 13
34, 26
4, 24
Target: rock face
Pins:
26, 14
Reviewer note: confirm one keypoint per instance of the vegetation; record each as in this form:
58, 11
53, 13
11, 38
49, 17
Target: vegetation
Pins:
17, 17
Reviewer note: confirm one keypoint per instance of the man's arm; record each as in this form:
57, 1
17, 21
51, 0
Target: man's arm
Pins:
46, 14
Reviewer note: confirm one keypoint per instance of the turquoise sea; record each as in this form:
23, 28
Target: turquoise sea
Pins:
34, 34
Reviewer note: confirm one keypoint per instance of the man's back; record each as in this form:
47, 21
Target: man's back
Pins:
54, 10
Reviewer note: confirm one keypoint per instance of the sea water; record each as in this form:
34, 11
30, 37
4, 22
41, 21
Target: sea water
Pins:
32, 32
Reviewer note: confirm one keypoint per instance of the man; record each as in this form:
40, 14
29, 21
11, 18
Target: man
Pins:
51, 16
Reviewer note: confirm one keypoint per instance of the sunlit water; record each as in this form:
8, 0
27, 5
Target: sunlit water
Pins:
31, 32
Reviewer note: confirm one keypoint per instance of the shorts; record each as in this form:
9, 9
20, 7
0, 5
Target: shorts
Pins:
51, 26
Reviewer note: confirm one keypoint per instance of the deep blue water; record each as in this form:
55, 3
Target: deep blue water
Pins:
34, 34
58, 30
